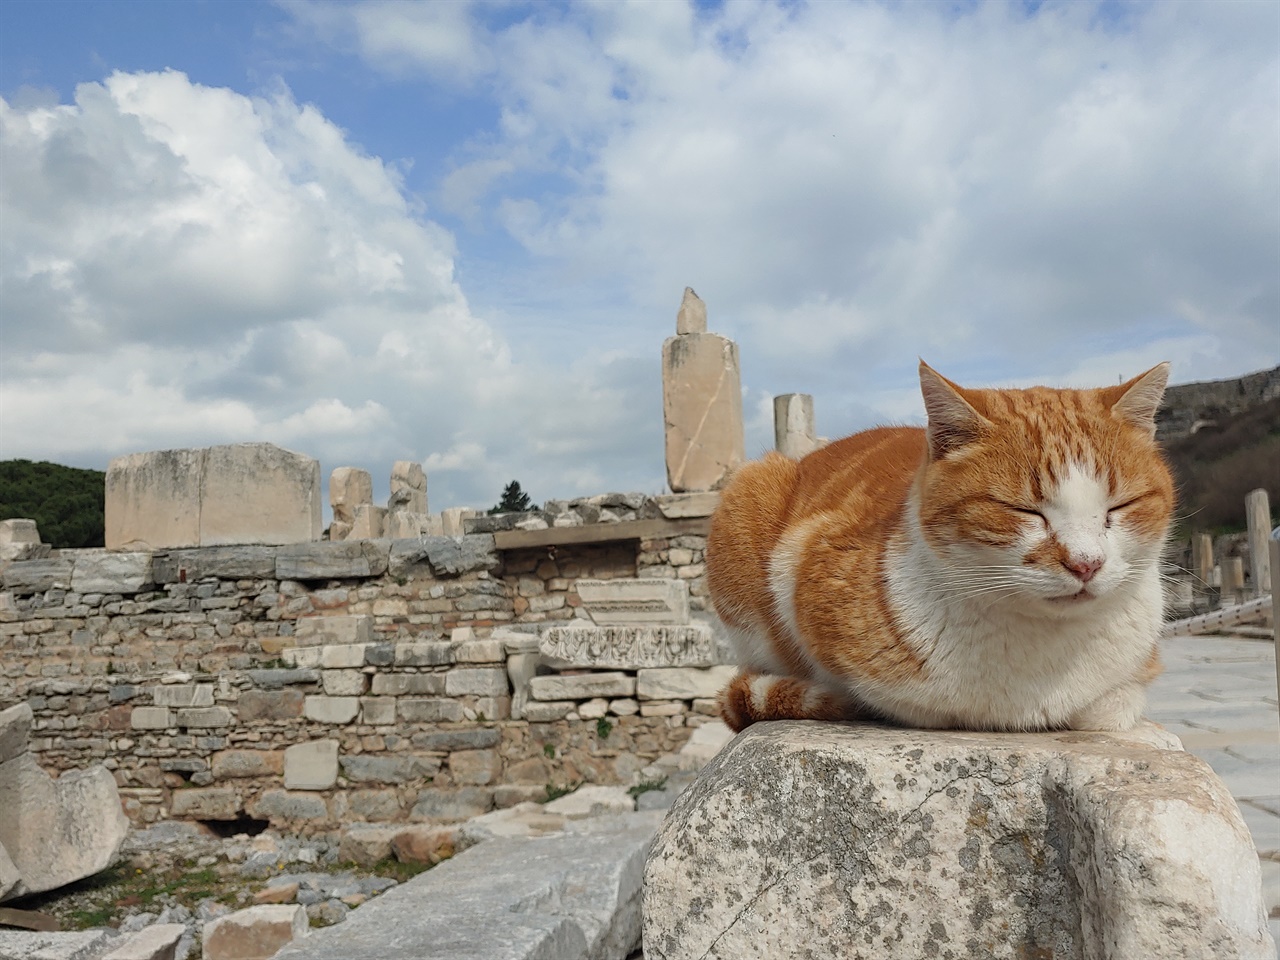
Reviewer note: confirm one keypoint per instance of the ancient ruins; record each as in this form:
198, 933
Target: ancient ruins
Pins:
224, 661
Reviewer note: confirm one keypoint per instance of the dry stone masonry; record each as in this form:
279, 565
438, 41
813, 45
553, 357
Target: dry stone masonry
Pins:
316, 684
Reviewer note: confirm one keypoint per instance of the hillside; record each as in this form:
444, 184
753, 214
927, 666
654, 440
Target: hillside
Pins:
65, 502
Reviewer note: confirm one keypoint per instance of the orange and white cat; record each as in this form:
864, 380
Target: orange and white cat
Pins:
998, 570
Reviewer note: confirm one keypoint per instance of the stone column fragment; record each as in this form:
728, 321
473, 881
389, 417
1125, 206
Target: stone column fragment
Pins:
702, 402
793, 427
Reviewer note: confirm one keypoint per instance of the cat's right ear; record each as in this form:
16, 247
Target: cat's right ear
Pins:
953, 421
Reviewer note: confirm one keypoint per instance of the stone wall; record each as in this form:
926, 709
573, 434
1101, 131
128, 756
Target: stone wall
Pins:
314, 684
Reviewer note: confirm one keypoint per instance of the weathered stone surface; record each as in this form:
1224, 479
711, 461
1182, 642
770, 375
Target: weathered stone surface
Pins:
349, 487
424, 844
232, 764
692, 316
331, 709
151, 718
332, 561
57, 831
280, 806
393, 768
892, 843
311, 766
25, 577
398, 684
276, 678
182, 695
402, 525
521, 668
156, 942
676, 506
254, 933
205, 717
702, 409
343, 683
15, 731
368, 523
153, 500
428, 653
445, 741
476, 681
453, 556
629, 602
259, 493
592, 801
477, 767
18, 531
125, 573
793, 430
230, 563
630, 647
537, 711
449, 804
213, 803
682, 683
429, 710
569, 897
271, 704
77, 945
366, 845
581, 686
344, 631
9, 876
408, 488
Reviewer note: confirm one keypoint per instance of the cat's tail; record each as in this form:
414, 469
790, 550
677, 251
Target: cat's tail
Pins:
752, 696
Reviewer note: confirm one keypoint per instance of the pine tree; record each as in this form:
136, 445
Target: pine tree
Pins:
514, 500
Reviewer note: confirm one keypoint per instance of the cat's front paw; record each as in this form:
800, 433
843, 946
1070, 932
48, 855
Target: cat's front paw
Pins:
1117, 709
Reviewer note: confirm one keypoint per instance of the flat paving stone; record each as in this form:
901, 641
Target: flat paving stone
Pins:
1218, 695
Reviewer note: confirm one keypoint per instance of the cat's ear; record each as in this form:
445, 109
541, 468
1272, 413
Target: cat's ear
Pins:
953, 421
1137, 401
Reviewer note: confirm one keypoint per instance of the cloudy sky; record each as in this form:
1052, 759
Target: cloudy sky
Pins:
458, 232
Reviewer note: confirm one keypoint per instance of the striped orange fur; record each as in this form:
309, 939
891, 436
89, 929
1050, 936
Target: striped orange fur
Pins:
996, 570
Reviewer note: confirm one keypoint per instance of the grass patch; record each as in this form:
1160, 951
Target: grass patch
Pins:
644, 786
556, 792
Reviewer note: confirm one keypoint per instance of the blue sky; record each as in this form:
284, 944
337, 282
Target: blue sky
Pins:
458, 232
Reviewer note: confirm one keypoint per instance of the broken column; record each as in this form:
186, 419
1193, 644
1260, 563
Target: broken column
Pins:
701, 401
241, 493
793, 427
20, 540
407, 506
349, 489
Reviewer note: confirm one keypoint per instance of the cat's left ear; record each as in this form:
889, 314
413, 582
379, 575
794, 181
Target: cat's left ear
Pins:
1137, 401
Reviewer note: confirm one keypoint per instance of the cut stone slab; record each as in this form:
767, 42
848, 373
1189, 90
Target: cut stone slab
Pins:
682, 683
259, 493
153, 500
793, 430
408, 488
676, 506
630, 648
157, 942
573, 896
79, 945
894, 843
702, 409
15, 731
25, 577
123, 573
583, 686
341, 631
592, 801
629, 602
311, 766
228, 563
58, 831
332, 561
255, 933
453, 556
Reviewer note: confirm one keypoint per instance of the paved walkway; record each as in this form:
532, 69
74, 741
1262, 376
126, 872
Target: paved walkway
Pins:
1218, 694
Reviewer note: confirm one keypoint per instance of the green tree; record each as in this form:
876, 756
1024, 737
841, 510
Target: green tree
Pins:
514, 500
65, 502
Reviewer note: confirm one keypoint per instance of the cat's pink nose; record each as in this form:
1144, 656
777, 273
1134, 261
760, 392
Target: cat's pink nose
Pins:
1083, 567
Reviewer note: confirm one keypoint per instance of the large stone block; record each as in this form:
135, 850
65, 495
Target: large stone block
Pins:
247, 562
281, 806
702, 410
153, 500
157, 942
342, 631
682, 683
583, 686
476, 681
891, 843
332, 561
451, 557
255, 933
394, 768
25, 577
793, 427
243, 493
57, 831
112, 573
408, 488
9, 875
629, 648
206, 803
259, 493
311, 766
629, 602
